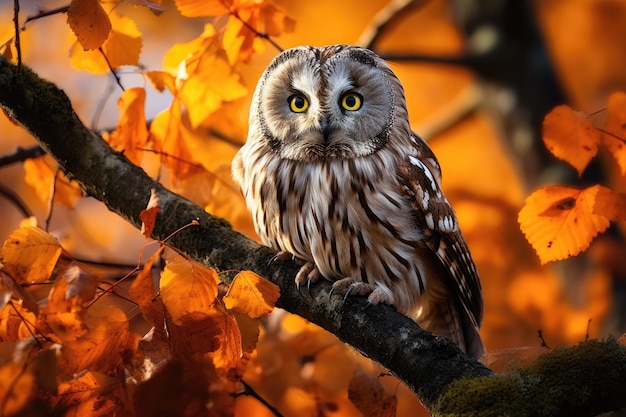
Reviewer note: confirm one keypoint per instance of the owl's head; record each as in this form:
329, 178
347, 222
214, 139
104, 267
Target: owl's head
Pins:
337, 101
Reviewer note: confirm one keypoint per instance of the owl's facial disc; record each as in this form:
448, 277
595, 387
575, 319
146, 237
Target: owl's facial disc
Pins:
319, 104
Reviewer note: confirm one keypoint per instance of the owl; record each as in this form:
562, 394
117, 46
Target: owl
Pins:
334, 177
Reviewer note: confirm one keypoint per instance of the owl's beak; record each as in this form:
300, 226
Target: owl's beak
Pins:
325, 127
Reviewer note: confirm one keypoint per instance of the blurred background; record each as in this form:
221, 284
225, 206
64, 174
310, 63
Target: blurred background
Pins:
479, 78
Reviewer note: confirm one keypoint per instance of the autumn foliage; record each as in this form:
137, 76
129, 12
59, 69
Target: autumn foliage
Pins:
560, 221
97, 319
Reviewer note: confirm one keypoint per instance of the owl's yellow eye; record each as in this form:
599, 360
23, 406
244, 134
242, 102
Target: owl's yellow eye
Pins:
351, 101
298, 103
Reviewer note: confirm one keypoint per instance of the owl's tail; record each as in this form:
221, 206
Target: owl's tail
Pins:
442, 314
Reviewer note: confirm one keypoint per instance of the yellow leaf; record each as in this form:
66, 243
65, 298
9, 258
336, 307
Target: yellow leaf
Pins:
162, 80
171, 133
212, 82
131, 133
123, 47
187, 288
614, 132
200, 8
39, 175
29, 255
183, 51
570, 136
610, 204
251, 294
89, 22
560, 222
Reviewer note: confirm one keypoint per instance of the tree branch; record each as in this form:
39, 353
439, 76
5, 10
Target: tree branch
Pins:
425, 362
428, 364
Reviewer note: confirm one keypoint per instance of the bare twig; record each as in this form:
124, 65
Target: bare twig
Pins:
248, 390
543, 342
21, 154
393, 11
45, 13
50, 207
16, 23
117, 77
16, 200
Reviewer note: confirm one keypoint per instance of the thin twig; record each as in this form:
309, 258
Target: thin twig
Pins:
256, 32
43, 13
543, 342
101, 104
14, 198
21, 155
587, 332
50, 207
248, 390
16, 22
393, 11
117, 78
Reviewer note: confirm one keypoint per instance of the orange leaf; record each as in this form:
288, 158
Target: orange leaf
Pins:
200, 8
16, 386
89, 22
370, 397
131, 133
187, 288
560, 222
103, 347
143, 292
229, 357
610, 204
251, 294
89, 394
121, 48
614, 132
39, 175
211, 83
64, 314
16, 323
29, 255
148, 216
171, 131
162, 80
570, 136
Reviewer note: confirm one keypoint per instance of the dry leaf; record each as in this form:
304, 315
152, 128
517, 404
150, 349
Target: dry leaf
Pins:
251, 294
148, 216
123, 47
89, 22
570, 136
370, 397
187, 288
29, 255
560, 222
105, 344
16, 387
614, 131
131, 133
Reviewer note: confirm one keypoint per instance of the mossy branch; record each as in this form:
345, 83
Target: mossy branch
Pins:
428, 364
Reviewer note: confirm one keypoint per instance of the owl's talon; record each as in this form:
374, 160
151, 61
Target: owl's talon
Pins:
281, 256
309, 274
367, 305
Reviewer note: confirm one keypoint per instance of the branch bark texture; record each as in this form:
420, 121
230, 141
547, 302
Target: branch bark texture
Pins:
428, 364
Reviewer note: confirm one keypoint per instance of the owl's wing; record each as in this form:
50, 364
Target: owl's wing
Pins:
421, 180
